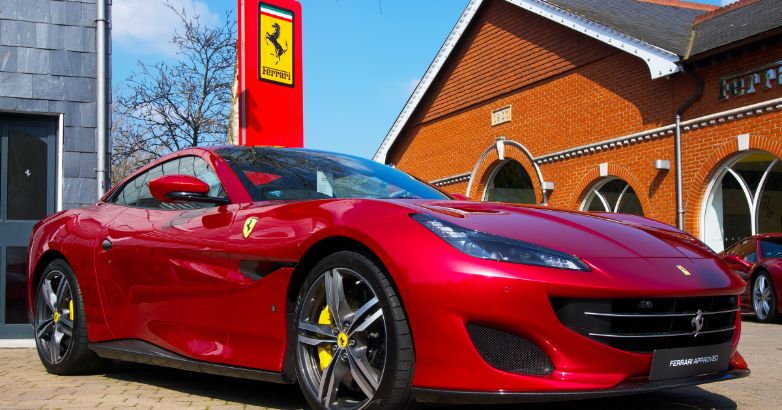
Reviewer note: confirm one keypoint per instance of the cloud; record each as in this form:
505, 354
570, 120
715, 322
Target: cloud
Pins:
410, 85
146, 26
724, 3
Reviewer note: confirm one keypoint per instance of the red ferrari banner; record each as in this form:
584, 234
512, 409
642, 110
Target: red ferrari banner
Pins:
271, 108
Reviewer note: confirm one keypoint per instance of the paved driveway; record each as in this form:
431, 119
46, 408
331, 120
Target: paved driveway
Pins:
25, 385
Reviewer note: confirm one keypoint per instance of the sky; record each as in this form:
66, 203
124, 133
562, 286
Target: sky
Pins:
362, 58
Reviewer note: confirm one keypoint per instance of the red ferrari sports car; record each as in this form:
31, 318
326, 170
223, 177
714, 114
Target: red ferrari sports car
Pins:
371, 289
758, 260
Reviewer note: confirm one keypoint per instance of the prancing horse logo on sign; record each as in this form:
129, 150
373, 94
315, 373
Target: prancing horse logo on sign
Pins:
697, 322
272, 38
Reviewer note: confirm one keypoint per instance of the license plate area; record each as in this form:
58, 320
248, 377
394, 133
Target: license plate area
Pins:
689, 361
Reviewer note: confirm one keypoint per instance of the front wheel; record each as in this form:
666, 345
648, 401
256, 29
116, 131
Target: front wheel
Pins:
764, 299
60, 323
353, 344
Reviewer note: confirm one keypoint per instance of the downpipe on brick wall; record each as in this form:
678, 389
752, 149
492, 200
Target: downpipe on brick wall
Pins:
678, 145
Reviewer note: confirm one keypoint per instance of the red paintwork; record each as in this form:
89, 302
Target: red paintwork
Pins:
748, 271
172, 278
160, 187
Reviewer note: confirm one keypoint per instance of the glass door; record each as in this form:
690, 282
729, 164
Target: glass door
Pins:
27, 172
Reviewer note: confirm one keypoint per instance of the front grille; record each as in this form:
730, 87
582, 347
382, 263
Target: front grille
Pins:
509, 352
644, 325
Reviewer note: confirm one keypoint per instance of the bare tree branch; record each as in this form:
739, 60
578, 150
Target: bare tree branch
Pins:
168, 107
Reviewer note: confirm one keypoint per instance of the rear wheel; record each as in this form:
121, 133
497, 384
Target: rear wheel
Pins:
764, 299
353, 343
60, 323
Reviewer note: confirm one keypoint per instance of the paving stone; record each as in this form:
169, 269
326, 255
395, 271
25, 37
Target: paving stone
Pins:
24, 383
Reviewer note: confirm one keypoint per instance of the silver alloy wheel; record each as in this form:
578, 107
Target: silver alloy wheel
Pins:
53, 323
761, 297
355, 339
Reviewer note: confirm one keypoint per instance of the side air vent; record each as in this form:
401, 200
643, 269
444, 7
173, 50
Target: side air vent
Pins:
509, 352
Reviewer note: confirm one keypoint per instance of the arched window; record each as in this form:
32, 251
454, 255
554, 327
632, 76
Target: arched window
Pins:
743, 199
511, 183
612, 195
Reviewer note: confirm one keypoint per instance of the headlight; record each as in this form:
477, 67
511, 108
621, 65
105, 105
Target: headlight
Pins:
486, 246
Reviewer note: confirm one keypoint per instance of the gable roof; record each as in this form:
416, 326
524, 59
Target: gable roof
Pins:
663, 33
661, 62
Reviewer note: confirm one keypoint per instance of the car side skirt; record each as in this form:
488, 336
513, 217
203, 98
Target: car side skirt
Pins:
438, 396
139, 351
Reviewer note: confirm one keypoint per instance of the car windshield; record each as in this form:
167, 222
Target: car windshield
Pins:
771, 247
296, 174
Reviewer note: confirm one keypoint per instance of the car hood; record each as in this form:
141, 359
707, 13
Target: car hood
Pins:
581, 234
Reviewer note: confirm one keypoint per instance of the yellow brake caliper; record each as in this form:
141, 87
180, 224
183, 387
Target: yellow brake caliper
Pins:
325, 353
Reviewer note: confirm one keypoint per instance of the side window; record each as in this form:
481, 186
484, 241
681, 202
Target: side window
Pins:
745, 249
136, 192
752, 257
145, 198
171, 167
771, 247
128, 195
202, 171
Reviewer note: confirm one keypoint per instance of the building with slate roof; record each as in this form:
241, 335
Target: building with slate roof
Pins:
583, 105
48, 124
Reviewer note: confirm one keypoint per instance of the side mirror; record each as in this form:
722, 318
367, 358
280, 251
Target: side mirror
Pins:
459, 197
182, 188
733, 259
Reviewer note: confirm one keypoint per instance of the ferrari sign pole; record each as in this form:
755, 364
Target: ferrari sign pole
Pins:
270, 73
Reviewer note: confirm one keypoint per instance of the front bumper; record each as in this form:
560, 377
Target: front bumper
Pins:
454, 290
438, 396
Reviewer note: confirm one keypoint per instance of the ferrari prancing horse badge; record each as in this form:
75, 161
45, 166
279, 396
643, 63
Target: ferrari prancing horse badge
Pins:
249, 225
683, 270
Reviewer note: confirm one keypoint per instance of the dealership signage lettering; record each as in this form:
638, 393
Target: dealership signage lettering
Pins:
750, 82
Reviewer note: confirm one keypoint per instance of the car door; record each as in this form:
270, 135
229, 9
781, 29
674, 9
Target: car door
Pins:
165, 275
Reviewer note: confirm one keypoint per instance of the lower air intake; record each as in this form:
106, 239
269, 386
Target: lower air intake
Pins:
509, 352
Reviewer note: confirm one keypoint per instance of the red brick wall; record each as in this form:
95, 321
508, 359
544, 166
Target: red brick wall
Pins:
505, 50
573, 100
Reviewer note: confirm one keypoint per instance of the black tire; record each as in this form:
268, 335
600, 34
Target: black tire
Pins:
73, 355
764, 299
393, 387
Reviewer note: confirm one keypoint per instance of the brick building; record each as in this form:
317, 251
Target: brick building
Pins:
573, 104
48, 124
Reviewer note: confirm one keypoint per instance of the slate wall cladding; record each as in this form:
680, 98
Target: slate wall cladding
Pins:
48, 66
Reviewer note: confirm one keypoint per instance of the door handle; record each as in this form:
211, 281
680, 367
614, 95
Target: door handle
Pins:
106, 244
